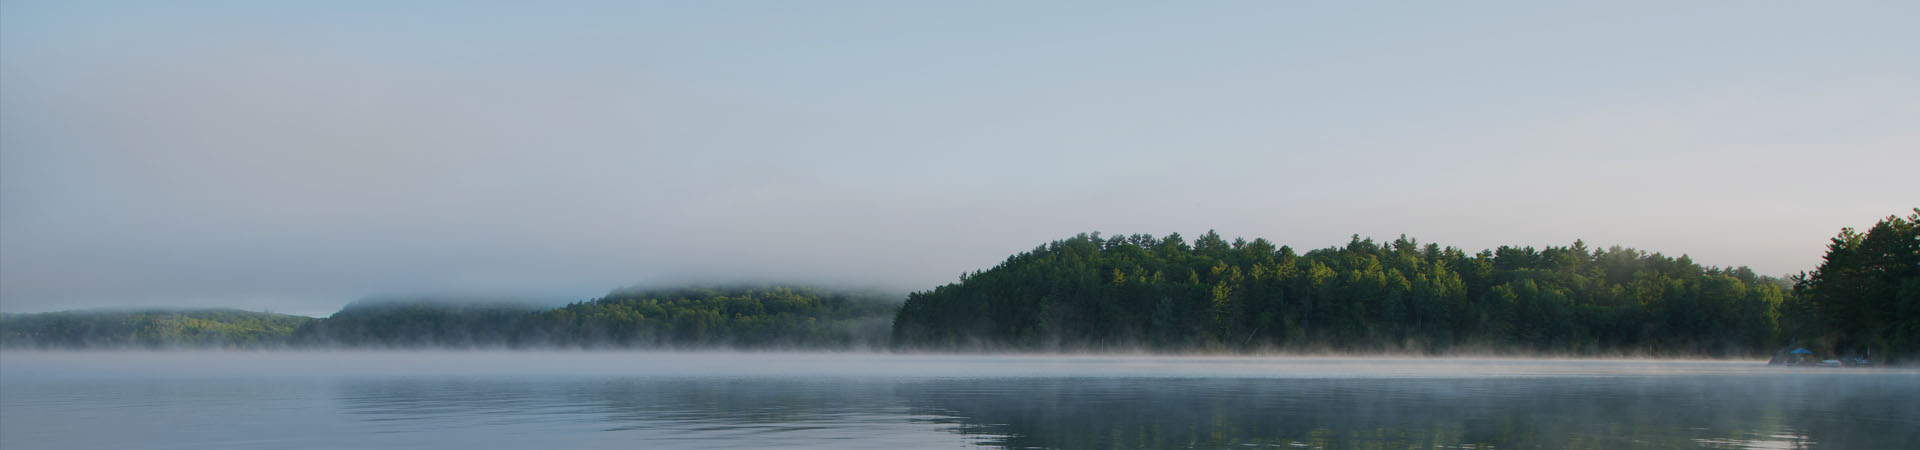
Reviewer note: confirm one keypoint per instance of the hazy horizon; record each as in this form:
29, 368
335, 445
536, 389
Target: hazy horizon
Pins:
297, 157
474, 297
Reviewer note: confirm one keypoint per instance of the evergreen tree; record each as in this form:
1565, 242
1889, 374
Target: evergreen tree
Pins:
1086, 293
1866, 292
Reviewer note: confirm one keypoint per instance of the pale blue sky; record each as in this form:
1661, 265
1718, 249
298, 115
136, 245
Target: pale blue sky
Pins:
299, 155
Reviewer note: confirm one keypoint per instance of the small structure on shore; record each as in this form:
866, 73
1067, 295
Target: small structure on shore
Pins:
1800, 356
1797, 357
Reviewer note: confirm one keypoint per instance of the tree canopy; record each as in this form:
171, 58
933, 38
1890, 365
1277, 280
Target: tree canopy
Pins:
1866, 293
1091, 292
417, 323
694, 317
764, 317
742, 317
154, 328
1166, 294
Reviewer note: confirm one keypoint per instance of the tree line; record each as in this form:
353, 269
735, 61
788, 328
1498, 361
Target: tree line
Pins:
1165, 294
741, 317
152, 328
1091, 292
1865, 295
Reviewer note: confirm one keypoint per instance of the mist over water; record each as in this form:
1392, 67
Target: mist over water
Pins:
1610, 179
851, 400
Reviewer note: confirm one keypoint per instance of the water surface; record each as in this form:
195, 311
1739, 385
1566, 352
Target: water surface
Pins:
705, 400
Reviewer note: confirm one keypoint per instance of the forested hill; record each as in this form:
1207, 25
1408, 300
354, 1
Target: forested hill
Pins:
1091, 292
781, 317
1141, 292
416, 324
153, 328
740, 317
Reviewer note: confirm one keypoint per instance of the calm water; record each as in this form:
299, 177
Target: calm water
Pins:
681, 400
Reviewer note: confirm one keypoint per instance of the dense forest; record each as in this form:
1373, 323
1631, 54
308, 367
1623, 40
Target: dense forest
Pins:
1163, 294
416, 323
1091, 292
202, 328
741, 317
750, 318
1865, 295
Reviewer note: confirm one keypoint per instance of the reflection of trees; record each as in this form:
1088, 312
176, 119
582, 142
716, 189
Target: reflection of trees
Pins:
628, 403
741, 400
1789, 410
1658, 412
445, 403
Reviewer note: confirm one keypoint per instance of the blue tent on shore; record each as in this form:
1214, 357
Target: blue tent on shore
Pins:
1801, 351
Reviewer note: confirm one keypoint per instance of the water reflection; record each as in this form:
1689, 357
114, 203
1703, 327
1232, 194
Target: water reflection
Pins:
592, 401
1390, 413
1743, 411
669, 412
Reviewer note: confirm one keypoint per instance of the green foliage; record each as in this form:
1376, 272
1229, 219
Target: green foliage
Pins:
1865, 294
744, 317
1163, 294
205, 328
1090, 293
416, 324
700, 317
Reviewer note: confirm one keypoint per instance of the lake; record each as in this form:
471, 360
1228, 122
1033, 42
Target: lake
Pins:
586, 400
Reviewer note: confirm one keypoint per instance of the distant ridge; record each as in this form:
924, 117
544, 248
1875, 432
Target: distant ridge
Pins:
740, 316
149, 328
1159, 294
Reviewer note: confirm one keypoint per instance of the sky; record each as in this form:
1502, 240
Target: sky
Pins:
297, 156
